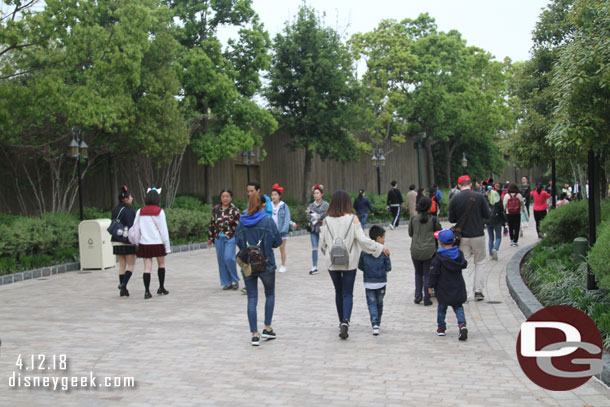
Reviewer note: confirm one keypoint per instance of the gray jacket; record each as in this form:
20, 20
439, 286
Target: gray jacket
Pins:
316, 214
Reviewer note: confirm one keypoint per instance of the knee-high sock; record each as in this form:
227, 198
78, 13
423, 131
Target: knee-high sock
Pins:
126, 278
161, 274
146, 278
121, 279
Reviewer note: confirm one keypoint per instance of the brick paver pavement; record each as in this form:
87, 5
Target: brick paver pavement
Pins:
192, 347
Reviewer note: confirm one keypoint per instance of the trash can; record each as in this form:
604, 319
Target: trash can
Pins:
94, 244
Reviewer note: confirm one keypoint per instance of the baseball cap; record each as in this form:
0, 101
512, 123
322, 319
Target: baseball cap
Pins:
463, 179
445, 236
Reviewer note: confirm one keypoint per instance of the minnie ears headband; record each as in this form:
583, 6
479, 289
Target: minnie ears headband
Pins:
158, 190
317, 186
278, 188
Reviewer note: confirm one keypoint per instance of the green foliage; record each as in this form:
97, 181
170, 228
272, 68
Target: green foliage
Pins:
556, 280
191, 203
187, 224
598, 256
567, 222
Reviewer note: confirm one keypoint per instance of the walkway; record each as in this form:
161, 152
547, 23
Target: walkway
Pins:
192, 347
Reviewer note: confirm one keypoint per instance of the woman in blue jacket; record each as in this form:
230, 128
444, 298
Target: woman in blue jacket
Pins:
254, 227
281, 216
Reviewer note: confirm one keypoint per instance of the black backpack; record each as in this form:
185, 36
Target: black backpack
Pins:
253, 255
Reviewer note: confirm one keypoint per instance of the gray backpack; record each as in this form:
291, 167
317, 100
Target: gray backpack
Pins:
339, 255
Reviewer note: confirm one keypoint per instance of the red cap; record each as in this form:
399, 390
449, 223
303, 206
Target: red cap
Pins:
463, 179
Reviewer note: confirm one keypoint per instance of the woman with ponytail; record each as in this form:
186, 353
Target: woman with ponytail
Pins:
423, 247
281, 217
540, 206
125, 251
362, 206
316, 212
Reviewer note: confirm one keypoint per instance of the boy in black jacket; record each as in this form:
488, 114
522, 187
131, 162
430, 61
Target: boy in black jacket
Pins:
447, 282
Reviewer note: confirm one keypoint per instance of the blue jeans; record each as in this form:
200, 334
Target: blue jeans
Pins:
225, 254
343, 280
362, 218
315, 239
494, 243
442, 311
268, 280
374, 300
422, 276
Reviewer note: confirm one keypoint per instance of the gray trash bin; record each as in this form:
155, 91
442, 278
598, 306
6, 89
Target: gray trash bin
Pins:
94, 244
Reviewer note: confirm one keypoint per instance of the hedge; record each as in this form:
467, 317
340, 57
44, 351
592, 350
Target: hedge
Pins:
598, 256
567, 222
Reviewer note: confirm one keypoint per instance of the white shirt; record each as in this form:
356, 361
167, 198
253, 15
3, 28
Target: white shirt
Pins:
275, 211
153, 230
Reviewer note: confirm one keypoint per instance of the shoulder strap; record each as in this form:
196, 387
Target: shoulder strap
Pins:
119, 215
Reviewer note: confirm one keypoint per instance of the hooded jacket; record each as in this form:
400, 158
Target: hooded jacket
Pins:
252, 227
446, 276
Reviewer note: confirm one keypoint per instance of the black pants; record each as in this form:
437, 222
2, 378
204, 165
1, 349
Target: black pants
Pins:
538, 216
395, 215
514, 223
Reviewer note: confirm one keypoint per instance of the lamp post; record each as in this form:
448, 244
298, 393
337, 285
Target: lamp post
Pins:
378, 160
464, 162
78, 150
248, 157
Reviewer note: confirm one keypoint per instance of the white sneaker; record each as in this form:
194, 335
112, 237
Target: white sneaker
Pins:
375, 330
282, 269
494, 254
314, 271
391, 226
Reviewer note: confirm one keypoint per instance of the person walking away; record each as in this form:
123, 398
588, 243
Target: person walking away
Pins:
394, 203
497, 219
412, 201
513, 202
316, 212
540, 198
469, 211
423, 247
257, 231
375, 275
342, 235
439, 198
448, 283
362, 206
154, 239
525, 190
121, 247
221, 232
281, 217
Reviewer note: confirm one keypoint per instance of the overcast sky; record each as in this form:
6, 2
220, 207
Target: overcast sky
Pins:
501, 27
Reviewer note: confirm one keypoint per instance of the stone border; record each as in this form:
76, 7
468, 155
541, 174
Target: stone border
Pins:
529, 304
63, 268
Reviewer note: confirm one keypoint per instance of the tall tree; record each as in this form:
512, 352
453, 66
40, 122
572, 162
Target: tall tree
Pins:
218, 84
311, 85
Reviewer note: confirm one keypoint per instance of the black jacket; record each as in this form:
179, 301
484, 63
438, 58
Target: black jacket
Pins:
127, 217
446, 279
478, 216
394, 197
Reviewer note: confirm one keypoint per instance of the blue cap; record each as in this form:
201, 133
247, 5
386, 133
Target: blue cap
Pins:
445, 236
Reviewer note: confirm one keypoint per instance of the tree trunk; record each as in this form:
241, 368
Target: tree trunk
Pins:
307, 176
207, 186
430, 159
114, 182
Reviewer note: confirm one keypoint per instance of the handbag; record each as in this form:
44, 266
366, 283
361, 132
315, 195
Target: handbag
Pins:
135, 233
116, 229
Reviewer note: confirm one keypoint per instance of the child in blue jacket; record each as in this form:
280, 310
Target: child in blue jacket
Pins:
375, 277
448, 283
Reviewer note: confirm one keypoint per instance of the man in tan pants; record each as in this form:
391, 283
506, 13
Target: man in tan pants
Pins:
469, 211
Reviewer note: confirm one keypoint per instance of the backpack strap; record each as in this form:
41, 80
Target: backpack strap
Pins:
462, 220
243, 233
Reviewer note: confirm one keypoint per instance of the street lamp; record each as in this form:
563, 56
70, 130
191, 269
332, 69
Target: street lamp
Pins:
464, 162
378, 160
248, 158
78, 150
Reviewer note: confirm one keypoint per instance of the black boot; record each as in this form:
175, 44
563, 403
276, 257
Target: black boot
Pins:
146, 278
126, 277
161, 274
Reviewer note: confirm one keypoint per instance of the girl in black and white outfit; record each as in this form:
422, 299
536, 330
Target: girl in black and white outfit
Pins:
154, 239
125, 251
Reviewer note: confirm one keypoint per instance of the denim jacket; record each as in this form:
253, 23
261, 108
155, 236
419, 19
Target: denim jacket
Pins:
283, 218
374, 268
253, 226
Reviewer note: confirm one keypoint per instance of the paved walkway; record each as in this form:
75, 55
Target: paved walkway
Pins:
192, 347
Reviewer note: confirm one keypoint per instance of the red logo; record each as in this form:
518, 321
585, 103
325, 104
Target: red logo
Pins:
559, 348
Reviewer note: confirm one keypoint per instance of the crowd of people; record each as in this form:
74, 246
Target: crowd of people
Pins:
337, 229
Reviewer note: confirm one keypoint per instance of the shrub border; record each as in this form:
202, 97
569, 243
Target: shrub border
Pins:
529, 304
64, 268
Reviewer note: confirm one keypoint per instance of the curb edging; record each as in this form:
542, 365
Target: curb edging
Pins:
529, 304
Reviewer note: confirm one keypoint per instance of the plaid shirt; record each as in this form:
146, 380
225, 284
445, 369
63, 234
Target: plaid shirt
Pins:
223, 221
